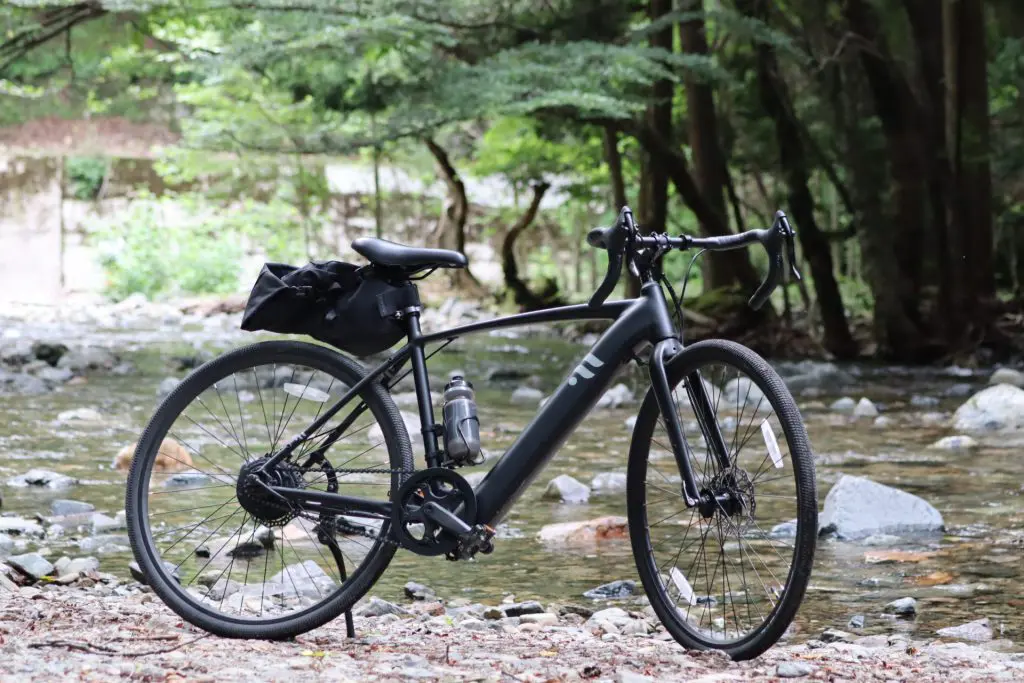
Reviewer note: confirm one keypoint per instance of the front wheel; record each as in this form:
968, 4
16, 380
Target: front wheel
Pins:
729, 574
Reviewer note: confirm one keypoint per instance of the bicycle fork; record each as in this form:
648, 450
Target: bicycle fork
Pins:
702, 408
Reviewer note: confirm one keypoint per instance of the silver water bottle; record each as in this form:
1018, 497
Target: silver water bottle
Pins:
461, 426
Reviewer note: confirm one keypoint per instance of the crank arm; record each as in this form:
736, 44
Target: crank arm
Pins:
445, 519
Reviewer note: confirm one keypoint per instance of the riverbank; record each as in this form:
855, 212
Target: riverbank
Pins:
61, 634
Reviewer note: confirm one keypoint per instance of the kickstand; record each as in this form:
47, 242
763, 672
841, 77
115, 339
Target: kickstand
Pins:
339, 559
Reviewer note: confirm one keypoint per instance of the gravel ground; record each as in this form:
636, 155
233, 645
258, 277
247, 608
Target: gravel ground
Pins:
73, 633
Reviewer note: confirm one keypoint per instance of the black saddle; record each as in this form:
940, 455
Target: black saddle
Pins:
393, 255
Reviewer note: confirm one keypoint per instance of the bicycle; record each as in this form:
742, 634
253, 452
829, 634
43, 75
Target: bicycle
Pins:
255, 495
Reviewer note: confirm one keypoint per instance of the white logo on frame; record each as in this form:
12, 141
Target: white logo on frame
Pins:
583, 371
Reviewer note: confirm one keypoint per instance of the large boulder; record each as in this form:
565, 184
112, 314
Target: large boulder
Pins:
995, 409
1007, 376
857, 507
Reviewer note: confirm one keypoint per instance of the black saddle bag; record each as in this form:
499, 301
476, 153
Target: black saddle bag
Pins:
344, 305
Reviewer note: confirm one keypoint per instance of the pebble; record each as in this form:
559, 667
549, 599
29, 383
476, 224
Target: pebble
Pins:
794, 669
865, 408
32, 565
843, 405
543, 618
904, 607
856, 621
62, 507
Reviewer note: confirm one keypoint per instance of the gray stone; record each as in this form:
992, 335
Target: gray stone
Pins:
32, 565
997, 408
857, 507
542, 618
809, 374
167, 385
784, 530
102, 524
618, 395
77, 566
903, 607
417, 591
63, 507
844, 405
186, 480
305, 579
19, 526
526, 396
794, 669
609, 482
567, 489
265, 537
741, 394
1007, 376
104, 544
960, 390
612, 591
978, 631
139, 576
54, 375
88, 358
883, 422
521, 608
22, 384
959, 442
856, 621
865, 408
80, 415
375, 607
494, 613
6, 544
919, 401
473, 625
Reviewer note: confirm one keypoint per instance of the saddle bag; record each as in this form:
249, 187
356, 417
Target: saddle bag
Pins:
347, 306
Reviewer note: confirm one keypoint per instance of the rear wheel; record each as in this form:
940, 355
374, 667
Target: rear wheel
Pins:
729, 574
223, 551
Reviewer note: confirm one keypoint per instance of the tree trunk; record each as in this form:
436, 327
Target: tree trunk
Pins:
456, 213
613, 158
775, 98
708, 161
527, 299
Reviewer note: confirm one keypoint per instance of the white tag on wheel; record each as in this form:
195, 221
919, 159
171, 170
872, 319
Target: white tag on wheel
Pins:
308, 393
772, 443
685, 591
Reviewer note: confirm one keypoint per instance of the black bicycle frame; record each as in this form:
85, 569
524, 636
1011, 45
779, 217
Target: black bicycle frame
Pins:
637, 323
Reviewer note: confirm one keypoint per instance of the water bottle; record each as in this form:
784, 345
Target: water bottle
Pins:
461, 426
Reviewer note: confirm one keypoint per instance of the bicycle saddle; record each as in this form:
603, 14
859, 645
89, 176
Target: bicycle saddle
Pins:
392, 254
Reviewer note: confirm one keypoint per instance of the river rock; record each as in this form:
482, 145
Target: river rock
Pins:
65, 566
865, 408
375, 607
54, 376
784, 530
17, 352
567, 489
794, 669
608, 482
811, 374
958, 442
80, 415
616, 590
845, 405
883, 422
542, 618
417, 591
45, 478
617, 396
105, 544
32, 565
375, 434
857, 507
586, 532
101, 524
19, 526
1007, 376
6, 544
305, 578
978, 631
919, 401
88, 358
526, 396
856, 621
518, 609
904, 607
166, 386
138, 575
741, 392
22, 384
997, 408
183, 480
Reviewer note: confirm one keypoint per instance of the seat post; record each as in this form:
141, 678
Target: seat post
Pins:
422, 382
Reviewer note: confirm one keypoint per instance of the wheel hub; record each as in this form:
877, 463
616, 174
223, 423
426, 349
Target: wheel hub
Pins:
257, 500
731, 493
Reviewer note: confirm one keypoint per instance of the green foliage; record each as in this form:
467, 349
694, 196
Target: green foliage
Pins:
85, 175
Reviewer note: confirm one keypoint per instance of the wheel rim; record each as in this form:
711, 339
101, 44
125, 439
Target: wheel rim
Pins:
224, 549
722, 567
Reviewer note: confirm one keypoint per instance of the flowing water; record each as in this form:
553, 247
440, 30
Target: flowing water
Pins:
971, 571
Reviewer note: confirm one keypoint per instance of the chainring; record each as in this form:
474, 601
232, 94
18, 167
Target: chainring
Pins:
439, 485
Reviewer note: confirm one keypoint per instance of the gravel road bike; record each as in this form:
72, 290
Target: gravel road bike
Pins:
301, 482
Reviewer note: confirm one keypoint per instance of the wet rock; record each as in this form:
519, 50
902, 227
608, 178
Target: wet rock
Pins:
811, 374
6, 544
794, 669
375, 434
958, 442
19, 526
857, 507
856, 621
506, 375
542, 618
997, 408
49, 352
741, 392
88, 358
630, 422
904, 607
615, 590
246, 550
919, 401
375, 607
44, 478
170, 457
80, 415
1007, 376
784, 530
978, 631
518, 609
526, 396
578, 610
473, 625
960, 390
617, 396
586, 532
140, 576
417, 591
32, 565
17, 352
102, 545
101, 524
265, 537
834, 635
305, 579
54, 376
883, 422
167, 385
865, 408
493, 613
186, 480
22, 384
609, 482
567, 489
68, 567
845, 405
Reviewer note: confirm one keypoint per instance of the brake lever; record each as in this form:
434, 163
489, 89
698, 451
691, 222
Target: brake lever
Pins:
789, 234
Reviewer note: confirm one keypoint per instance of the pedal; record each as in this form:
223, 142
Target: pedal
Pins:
478, 540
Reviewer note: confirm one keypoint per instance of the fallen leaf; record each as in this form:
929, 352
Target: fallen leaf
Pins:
884, 556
